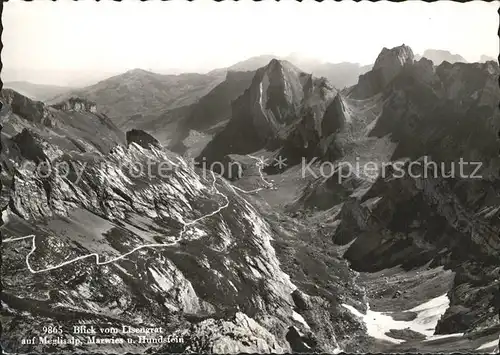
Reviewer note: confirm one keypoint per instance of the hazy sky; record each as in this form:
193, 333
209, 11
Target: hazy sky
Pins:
202, 35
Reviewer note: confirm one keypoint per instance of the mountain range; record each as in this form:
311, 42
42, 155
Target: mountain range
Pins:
141, 97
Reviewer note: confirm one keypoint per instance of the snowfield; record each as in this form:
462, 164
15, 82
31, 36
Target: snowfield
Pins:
428, 315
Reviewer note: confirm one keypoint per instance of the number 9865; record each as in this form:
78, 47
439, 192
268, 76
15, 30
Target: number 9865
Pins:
56, 329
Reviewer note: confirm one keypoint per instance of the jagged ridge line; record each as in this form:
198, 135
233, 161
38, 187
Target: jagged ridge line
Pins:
159, 245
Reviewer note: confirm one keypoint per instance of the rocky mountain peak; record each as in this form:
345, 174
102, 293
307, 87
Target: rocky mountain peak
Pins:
42, 131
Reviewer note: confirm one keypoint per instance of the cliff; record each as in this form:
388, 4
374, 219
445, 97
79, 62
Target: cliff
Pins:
76, 104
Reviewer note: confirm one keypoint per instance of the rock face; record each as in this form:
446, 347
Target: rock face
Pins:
209, 115
272, 101
438, 106
196, 272
434, 118
60, 130
31, 146
215, 107
276, 92
76, 104
438, 56
403, 113
279, 98
100, 229
142, 138
26, 108
388, 65
341, 75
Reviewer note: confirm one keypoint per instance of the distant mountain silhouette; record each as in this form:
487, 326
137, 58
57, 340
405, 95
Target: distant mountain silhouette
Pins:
137, 95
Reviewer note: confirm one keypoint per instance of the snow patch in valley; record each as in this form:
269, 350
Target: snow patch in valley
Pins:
428, 315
